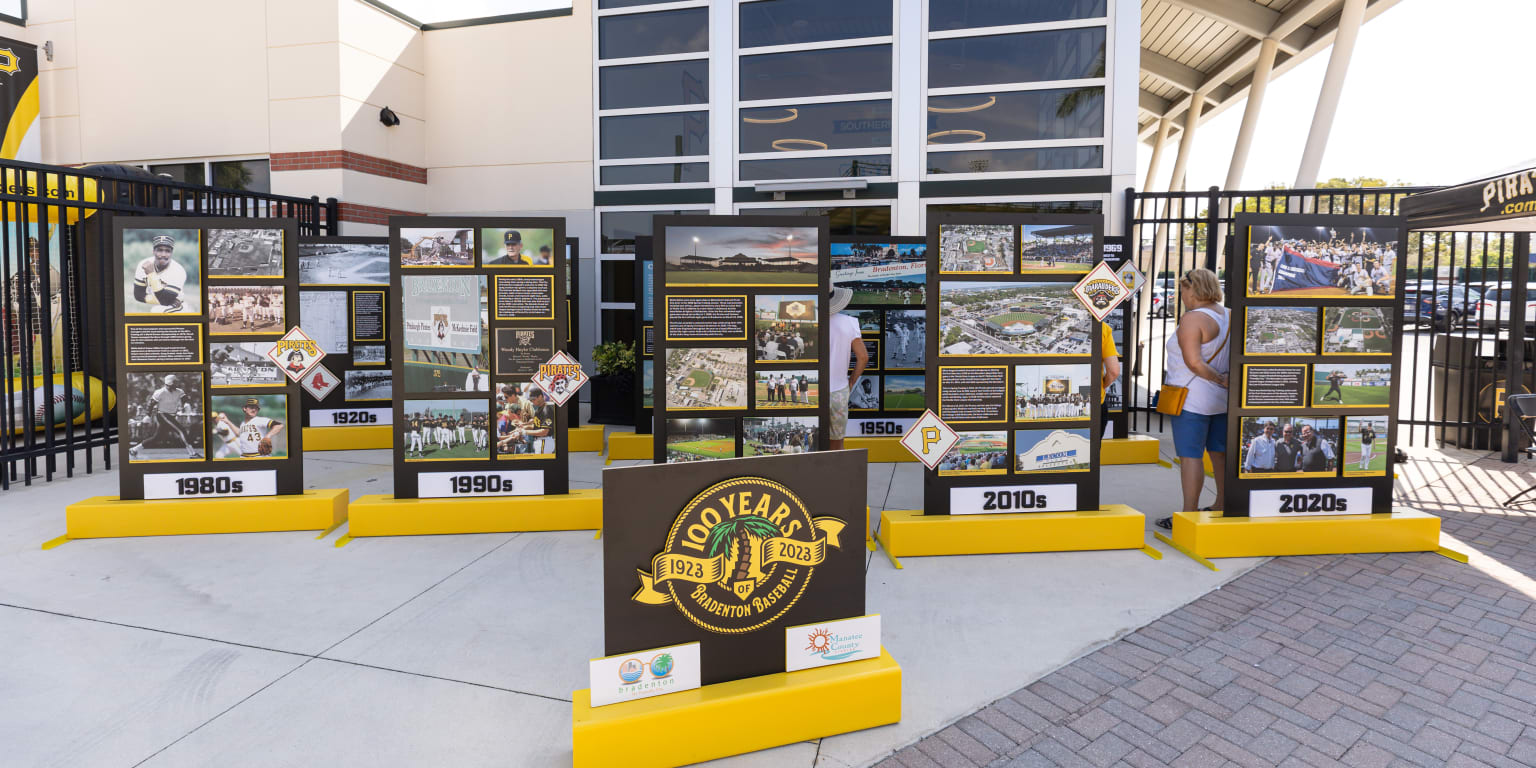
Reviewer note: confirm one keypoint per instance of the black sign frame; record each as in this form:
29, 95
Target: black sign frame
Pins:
881, 422
644, 415
338, 364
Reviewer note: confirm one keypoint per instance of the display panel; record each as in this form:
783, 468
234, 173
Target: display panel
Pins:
344, 305
200, 306
478, 301
1315, 383
1012, 363
712, 274
889, 280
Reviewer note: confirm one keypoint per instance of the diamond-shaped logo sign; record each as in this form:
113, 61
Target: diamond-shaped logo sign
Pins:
1100, 291
561, 377
1131, 277
295, 353
929, 439
319, 381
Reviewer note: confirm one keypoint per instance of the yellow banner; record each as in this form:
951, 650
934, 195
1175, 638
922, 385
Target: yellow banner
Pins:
702, 570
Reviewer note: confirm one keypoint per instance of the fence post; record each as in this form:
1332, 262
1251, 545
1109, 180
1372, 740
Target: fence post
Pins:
332, 217
1212, 226
1514, 378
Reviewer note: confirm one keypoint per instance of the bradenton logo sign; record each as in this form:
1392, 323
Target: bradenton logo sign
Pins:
739, 556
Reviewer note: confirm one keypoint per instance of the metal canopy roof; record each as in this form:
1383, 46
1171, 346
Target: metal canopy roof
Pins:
1212, 46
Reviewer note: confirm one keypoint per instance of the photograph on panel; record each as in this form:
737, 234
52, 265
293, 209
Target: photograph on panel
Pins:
1352, 385
248, 426
325, 317
977, 453
243, 364
1052, 450
785, 328
237, 309
245, 253
165, 416
769, 255
368, 384
1288, 446
1053, 392
787, 388
700, 439
162, 271
1322, 262
775, 435
906, 344
445, 333
700, 378
1280, 331
369, 354
519, 247
648, 383
976, 248
869, 319
343, 264
525, 422
904, 392
881, 273
864, 394
1012, 319
1056, 249
1365, 446
436, 247
1357, 330
445, 430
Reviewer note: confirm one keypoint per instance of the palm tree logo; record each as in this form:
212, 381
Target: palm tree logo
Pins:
744, 536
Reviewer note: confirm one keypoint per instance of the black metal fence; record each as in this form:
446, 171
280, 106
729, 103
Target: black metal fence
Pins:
1457, 296
57, 334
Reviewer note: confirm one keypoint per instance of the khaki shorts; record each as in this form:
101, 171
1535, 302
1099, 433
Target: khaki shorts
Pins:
838, 403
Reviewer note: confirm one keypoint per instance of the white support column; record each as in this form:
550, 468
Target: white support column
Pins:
722, 96
911, 124
1163, 124
1350, 18
1187, 141
1122, 93
1256, 88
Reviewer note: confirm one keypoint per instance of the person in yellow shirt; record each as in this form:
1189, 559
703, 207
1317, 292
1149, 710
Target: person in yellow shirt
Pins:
1111, 358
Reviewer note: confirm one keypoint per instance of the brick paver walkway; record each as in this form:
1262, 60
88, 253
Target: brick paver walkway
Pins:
1347, 660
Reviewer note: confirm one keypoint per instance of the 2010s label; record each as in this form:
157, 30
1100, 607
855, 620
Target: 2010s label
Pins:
347, 417
207, 485
1002, 499
879, 427
438, 485
1309, 502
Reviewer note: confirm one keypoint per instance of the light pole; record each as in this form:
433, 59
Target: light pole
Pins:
791, 240
695, 247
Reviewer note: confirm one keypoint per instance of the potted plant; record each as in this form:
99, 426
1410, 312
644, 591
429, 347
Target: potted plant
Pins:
613, 388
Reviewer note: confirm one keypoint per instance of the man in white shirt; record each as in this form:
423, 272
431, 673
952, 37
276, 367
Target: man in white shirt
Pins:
845, 341
1261, 451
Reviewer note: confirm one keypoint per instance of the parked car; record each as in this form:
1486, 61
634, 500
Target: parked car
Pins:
1439, 305
1164, 302
1494, 310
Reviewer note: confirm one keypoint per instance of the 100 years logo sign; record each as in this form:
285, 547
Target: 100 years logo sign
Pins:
729, 553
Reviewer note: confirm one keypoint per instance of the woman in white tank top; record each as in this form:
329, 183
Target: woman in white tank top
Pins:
1198, 356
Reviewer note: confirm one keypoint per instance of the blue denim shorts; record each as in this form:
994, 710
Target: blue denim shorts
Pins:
1196, 433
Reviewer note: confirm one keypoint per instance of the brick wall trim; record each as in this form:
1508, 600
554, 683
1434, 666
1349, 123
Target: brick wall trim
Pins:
349, 161
369, 214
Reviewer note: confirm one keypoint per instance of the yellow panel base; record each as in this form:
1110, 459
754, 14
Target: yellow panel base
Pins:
909, 533
628, 445
379, 515
1136, 449
108, 516
588, 439
1207, 534
737, 717
881, 449
347, 438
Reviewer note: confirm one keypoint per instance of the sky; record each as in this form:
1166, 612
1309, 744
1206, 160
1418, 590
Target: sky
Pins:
1438, 92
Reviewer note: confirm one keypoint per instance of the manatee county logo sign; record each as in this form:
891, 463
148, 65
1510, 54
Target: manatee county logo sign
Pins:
739, 556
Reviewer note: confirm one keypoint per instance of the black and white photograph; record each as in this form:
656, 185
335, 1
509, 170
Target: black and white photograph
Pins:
770, 255
1012, 319
243, 364
370, 354
965, 248
162, 270
245, 253
1280, 331
323, 315
906, 344
430, 247
864, 395
165, 416
520, 247
366, 384
344, 263
445, 430
1053, 392
706, 378
525, 422
785, 327
1288, 446
776, 435
892, 274
1056, 249
1322, 262
248, 427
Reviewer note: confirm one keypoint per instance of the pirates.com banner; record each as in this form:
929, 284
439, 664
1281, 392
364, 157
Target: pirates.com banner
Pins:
19, 102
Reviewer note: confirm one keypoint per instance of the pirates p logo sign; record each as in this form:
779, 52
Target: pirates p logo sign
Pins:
739, 556
9, 63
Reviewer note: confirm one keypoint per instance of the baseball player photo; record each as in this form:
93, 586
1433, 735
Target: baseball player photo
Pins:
166, 416
445, 430
525, 423
249, 426
516, 247
161, 271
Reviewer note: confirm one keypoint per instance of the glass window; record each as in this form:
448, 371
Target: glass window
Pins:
1061, 54
654, 85
845, 220
967, 14
862, 69
1016, 160
675, 134
664, 173
1062, 113
616, 280
604, 4
653, 34
1048, 206
191, 173
620, 228
847, 125
816, 167
619, 325
249, 175
786, 22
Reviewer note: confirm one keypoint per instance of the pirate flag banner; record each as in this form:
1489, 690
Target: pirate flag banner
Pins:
480, 443
207, 413
758, 561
